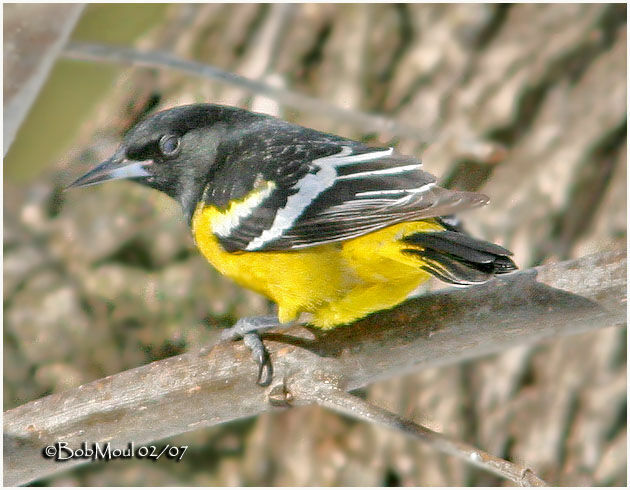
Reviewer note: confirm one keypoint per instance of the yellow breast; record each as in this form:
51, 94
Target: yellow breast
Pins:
295, 280
337, 283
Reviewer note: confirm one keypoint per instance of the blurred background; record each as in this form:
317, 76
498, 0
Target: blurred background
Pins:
526, 103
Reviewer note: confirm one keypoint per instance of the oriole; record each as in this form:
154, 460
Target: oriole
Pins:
317, 223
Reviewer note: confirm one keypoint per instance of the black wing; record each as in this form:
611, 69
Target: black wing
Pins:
314, 188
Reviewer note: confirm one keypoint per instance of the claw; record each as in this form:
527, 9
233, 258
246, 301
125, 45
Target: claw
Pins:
248, 329
265, 373
260, 356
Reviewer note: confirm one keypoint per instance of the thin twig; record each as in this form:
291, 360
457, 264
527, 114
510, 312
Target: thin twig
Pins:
201, 389
347, 404
156, 59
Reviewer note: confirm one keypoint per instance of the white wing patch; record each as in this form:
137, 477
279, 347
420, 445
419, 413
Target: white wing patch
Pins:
224, 223
394, 192
312, 185
385, 171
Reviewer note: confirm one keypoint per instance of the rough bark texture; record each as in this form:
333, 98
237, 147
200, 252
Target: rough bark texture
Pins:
526, 103
203, 389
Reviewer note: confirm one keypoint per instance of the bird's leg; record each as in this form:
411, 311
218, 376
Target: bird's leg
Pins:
248, 325
249, 330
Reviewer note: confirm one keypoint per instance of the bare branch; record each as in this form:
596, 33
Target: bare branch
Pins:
355, 407
30, 50
201, 389
156, 59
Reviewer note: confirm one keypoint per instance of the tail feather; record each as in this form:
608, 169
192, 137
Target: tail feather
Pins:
458, 258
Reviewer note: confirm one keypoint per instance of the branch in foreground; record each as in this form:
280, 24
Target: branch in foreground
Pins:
201, 389
355, 407
157, 59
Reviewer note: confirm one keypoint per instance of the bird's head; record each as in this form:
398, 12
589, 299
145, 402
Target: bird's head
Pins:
173, 151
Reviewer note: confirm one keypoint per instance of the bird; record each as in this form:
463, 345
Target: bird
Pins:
322, 225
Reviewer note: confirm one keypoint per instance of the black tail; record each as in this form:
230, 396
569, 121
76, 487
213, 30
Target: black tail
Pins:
458, 258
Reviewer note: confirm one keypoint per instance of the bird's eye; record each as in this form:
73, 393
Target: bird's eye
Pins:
169, 145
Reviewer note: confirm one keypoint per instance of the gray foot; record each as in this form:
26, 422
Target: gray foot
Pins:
248, 329
249, 325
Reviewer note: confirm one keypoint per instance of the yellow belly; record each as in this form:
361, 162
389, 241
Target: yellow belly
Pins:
337, 283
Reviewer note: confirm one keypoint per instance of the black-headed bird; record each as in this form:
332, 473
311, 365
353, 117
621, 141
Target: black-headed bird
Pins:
317, 223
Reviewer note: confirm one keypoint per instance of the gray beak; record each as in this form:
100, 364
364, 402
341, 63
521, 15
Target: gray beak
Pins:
113, 169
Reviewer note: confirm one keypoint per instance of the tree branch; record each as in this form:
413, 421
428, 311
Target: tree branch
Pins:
312, 105
216, 385
30, 51
355, 407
